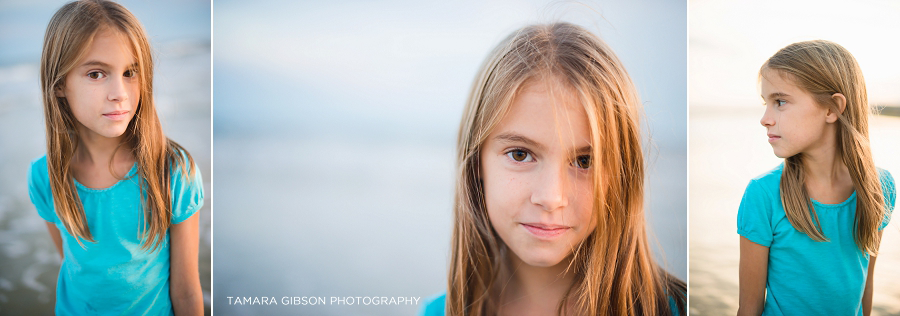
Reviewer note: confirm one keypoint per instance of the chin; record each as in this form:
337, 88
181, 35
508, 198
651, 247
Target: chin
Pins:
541, 258
784, 155
114, 132
780, 153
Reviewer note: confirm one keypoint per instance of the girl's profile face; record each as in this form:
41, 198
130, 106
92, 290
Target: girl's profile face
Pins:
103, 88
794, 121
536, 173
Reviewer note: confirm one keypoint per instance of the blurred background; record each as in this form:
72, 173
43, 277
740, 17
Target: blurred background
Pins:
729, 41
179, 34
335, 129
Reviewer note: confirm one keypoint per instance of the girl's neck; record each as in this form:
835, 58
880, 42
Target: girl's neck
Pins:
823, 164
823, 167
827, 177
94, 150
98, 161
535, 290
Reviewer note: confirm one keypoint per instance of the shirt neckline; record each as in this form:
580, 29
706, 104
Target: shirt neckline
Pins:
131, 173
845, 202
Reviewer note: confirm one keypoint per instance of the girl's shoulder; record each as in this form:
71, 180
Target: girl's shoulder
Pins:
186, 185
39, 190
773, 174
38, 175
676, 294
434, 306
39, 166
767, 183
182, 169
886, 178
888, 187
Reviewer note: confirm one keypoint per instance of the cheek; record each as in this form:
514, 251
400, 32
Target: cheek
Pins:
81, 99
584, 204
505, 192
135, 93
804, 127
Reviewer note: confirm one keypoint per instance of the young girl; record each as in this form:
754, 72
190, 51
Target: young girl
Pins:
549, 214
118, 196
811, 227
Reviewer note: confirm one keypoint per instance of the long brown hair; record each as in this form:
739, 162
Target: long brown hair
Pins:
823, 68
615, 273
68, 36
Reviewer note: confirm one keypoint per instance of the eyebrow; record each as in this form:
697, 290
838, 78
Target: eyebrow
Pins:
778, 94
516, 138
105, 65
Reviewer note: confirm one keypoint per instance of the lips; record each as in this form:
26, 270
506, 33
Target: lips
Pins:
545, 231
773, 137
116, 115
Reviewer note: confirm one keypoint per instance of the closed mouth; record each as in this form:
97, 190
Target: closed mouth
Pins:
545, 231
116, 115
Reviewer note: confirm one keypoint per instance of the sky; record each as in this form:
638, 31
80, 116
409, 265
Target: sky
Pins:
730, 40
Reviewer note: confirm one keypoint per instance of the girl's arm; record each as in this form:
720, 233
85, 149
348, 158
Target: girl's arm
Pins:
184, 280
867, 294
57, 239
753, 272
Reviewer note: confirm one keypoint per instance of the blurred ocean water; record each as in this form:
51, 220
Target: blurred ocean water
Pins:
728, 148
29, 261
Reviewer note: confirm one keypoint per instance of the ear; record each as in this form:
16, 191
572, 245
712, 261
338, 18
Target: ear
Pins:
60, 93
841, 104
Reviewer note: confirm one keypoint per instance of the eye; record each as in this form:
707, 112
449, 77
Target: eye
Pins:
130, 73
519, 155
583, 162
96, 75
780, 102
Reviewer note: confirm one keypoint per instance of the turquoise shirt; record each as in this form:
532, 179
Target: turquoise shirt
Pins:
806, 277
434, 306
113, 275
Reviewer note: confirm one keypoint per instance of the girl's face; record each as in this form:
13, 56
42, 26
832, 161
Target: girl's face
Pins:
536, 173
794, 121
104, 88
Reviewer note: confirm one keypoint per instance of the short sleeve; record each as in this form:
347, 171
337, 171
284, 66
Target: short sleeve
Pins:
889, 190
187, 192
39, 190
754, 215
434, 306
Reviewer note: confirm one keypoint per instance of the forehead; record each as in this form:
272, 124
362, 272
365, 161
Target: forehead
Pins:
774, 81
549, 112
111, 47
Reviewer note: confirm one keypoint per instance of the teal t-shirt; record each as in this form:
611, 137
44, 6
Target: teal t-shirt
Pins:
435, 306
807, 277
113, 275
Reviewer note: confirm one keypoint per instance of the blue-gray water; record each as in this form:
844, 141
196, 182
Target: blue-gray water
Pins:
335, 126
180, 35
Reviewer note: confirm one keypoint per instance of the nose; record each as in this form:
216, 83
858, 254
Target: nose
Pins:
118, 90
767, 120
550, 192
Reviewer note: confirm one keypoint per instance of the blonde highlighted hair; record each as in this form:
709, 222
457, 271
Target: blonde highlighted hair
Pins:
615, 272
68, 37
824, 68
